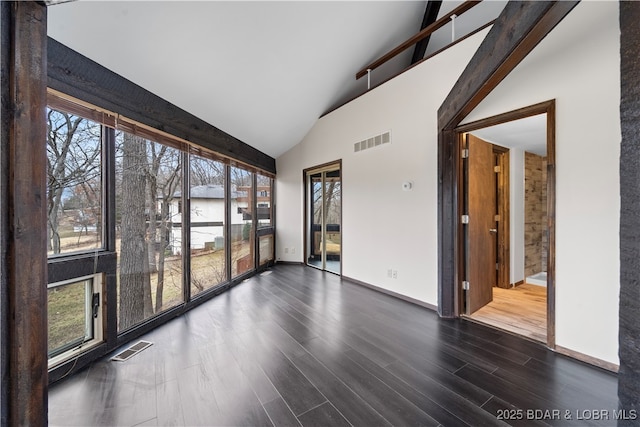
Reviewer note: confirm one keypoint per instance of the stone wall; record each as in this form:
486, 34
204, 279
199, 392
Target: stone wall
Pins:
535, 214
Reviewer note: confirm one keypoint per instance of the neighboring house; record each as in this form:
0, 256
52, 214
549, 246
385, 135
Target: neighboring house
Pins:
263, 202
207, 217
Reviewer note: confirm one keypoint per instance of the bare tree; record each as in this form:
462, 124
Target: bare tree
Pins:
206, 172
135, 280
73, 158
166, 181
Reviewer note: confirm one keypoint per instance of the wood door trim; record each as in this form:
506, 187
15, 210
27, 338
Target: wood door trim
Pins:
548, 108
504, 231
515, 33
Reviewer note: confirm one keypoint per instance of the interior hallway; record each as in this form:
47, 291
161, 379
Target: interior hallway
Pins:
521, 310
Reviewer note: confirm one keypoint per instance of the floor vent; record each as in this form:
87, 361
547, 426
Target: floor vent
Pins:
132, 351
374, 141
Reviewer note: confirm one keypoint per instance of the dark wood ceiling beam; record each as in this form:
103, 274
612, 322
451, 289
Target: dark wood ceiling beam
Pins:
416, 38
23, 226
515, 33
77, 76
430, 16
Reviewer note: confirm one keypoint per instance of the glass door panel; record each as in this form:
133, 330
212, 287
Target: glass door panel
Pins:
315, 235
332, 210
324, 207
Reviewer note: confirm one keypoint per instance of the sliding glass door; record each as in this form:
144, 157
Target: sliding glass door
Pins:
324, 217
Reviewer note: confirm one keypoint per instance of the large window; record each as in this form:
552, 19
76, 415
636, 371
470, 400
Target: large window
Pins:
242, 228
263, 199
139, 223
75, 226
74, 185
207, 207
148, 184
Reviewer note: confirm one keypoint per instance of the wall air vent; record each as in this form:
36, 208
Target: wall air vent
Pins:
374, 141
131, 351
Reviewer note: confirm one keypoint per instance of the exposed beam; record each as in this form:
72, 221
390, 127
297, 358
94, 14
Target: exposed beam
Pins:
23, 213
78, 76
430, 16
416, 38
5, 61
515, 33
629, 331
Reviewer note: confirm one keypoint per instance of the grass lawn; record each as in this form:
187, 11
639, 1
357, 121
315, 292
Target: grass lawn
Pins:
66, 304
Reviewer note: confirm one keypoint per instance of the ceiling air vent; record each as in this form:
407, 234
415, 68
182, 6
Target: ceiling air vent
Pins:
374, 141
131, 351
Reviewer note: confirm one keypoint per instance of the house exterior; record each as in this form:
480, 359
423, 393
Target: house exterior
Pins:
207, 217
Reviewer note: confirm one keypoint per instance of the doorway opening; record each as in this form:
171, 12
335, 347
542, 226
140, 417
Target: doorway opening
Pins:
507, 230
323, 217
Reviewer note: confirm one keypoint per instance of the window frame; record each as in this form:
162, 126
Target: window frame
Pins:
97, 326
104, 260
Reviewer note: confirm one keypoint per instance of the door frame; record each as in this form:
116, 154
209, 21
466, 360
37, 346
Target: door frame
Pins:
325, 167
503, 198
450, 292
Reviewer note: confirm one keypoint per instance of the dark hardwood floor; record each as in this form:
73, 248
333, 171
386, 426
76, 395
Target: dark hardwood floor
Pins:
297, 346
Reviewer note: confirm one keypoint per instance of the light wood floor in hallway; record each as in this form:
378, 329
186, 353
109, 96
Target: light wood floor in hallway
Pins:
522, 310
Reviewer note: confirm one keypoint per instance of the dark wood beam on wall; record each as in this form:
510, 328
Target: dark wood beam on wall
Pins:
515, 33
5, 60
76, 75
23, 230
430, 16
629, 327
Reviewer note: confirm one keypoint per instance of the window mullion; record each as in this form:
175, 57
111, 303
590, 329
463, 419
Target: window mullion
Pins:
227, 225
186, 225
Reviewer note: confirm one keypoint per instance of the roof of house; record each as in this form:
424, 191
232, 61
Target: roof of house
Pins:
209, 191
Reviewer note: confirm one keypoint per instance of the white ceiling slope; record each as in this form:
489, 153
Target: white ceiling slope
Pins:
261, 71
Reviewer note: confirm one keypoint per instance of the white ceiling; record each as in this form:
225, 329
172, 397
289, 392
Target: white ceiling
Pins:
529, 134
262, 71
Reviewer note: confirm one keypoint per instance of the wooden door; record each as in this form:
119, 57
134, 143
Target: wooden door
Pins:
481, 236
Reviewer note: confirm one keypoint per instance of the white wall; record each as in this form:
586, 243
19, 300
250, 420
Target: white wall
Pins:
580, 68
384, 227
516, 219
578, 65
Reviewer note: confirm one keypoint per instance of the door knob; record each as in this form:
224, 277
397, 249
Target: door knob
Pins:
493, 230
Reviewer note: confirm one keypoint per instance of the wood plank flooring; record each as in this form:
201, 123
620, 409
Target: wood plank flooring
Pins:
522, 310
301, 347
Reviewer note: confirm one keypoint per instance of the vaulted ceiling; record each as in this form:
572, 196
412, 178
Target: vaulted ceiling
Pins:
261, 71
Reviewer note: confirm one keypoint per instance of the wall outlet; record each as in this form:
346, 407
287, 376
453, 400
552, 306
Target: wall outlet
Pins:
395, 274
286, 250
389, 273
